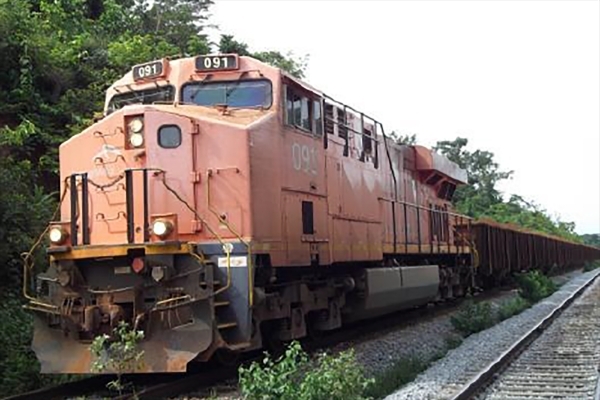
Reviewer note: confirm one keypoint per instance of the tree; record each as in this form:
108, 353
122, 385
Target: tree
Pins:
480, 198
592, 239
294, 66
58, 58
484, 174
407, 140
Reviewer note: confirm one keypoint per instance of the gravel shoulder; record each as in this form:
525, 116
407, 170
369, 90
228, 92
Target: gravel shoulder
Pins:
447, 375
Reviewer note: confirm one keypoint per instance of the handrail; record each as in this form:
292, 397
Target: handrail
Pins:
226, 249
224, 222
27, 257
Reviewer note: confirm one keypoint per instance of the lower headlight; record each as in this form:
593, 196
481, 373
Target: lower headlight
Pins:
162, 228
136, 139
57, 235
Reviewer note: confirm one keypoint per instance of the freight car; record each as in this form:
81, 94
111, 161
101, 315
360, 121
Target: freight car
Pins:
222, 204
505, 249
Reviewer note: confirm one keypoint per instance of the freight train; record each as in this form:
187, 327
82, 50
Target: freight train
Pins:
222, 205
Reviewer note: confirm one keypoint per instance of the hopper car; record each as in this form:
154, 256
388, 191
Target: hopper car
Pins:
221, 206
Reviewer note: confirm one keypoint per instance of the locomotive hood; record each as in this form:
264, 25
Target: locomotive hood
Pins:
429, 161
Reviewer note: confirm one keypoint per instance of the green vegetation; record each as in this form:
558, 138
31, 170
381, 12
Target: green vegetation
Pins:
475, 317
295, 375
120, 354
512, 307
18, 367
58, 57
482, 199
534, 286
591, 239
591, 265
404, 371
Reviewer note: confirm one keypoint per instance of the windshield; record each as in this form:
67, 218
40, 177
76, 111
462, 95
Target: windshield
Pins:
241, 94
148, 96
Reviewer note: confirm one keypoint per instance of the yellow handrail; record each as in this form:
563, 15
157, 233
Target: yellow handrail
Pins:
28, 262
239, 237
226, 249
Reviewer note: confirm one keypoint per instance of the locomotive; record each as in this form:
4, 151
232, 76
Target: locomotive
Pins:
222, 205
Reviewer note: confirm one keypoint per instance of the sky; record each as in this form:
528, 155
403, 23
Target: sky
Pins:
518, 78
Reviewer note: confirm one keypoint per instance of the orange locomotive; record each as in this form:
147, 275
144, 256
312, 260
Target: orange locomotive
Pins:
222, 204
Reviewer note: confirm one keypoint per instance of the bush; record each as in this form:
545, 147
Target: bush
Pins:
591, 265
404, 370
295, 376
512, 307
473, 317
120, 354
18, 365
534, 286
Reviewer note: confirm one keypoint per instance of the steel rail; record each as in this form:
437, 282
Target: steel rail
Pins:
486, 376
187, 383
76, 388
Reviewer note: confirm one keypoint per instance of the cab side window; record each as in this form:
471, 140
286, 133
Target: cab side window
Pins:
303, 112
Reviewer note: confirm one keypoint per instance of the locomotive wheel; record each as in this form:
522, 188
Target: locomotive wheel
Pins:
271, 341
227, 357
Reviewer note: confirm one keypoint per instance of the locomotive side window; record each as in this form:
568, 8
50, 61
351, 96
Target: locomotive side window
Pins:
256, 93
303, 112
342, 128
317, 120
169, 136
329, 119
148, 96
308, 226
367, 143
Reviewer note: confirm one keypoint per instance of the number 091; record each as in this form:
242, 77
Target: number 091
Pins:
211, 63
216, 62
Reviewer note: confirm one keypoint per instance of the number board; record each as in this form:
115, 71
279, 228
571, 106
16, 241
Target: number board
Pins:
216, 63
148, 70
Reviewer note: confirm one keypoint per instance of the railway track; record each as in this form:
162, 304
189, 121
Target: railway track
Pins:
557, 358
156, 386
165, 385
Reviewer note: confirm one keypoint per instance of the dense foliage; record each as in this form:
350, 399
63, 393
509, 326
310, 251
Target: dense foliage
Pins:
58, 57
295, 375
475, 317
534, 286
480, 198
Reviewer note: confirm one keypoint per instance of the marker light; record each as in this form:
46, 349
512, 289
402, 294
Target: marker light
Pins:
136, 125
57, 235
162, 228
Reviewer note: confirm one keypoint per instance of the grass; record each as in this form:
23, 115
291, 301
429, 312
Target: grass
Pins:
473, 318
512, 307
591, 265
403, 371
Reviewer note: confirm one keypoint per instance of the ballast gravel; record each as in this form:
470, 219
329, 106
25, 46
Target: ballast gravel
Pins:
424, 340
447, 375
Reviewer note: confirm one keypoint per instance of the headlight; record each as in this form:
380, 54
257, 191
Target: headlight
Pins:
162, 228
136, 125
136, 139
57, 235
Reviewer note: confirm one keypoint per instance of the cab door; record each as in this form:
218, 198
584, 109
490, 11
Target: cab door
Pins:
304, 190
170, 147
